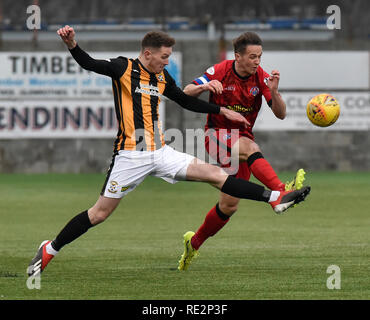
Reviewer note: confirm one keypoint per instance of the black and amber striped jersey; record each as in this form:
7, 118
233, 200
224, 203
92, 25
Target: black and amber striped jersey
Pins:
137, 94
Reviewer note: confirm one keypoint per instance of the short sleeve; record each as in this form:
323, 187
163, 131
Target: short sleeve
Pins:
212, 73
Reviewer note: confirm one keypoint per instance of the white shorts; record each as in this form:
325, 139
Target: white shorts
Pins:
129, 168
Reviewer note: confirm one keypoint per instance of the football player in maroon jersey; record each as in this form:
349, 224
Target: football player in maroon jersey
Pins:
239, 85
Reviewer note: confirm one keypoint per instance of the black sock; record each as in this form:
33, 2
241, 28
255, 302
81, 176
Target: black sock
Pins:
244, 189
73, 229
223, 216
253, 157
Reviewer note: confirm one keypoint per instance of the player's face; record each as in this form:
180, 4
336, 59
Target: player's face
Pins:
158, 59
249, 60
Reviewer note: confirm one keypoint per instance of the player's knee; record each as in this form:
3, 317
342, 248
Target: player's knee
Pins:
248, 149
218, 178
228, 208
213, 175
98, 215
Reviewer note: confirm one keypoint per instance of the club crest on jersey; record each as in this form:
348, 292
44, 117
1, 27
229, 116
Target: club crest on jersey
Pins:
254, 91
160, 77
113, 187
227, 136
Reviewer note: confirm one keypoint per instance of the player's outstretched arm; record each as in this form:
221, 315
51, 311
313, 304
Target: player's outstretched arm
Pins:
213, 86
104, 67
197, 105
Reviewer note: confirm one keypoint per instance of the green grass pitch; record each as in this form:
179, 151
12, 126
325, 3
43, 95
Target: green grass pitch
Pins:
133, 255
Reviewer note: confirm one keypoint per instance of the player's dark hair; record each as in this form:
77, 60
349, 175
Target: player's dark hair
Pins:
157, 39
245, 39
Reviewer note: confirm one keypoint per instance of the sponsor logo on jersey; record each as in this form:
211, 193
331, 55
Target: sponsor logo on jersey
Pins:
227, 136
148, 89
266, 80
230, 88
124, 188
240, 108
254, 91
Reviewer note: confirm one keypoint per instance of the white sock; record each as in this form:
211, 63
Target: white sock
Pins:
274, 196
50, 249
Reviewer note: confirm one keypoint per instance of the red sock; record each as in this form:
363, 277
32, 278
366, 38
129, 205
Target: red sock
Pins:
263, 171
211, 225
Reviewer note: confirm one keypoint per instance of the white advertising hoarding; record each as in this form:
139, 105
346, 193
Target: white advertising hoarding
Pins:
305, 74
96, 119
57, 119
57, 75
354, 113
311, 70
48, 95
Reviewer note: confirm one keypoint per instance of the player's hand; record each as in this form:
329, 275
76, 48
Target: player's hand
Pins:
273, 81
234, 116
214, 86
68, 36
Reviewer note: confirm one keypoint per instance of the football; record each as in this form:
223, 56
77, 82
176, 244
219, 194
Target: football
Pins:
323, 110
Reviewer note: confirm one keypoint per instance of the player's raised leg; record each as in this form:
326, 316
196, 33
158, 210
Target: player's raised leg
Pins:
238, 188
220, 214
250, 152
75, 228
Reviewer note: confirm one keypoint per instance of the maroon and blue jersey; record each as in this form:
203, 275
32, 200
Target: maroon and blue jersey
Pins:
241, 94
